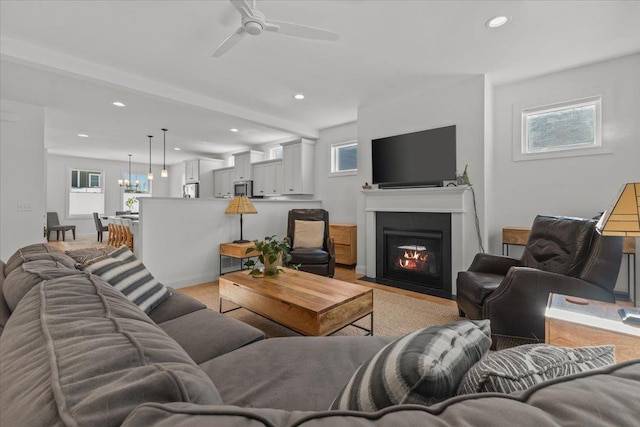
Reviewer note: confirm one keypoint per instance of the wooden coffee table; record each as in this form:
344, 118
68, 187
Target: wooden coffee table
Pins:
307, 303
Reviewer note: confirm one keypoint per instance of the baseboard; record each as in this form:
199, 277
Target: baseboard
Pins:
191, 280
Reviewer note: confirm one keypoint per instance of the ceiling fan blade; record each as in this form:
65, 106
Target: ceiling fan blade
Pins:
303, 31
229, 42
243, 7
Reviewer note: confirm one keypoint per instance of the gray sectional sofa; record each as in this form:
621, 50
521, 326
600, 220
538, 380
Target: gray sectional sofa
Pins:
75, 351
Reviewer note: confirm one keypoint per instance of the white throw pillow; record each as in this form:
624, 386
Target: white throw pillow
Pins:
308, 234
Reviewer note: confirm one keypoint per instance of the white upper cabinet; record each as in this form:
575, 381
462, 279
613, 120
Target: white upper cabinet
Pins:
223, 182
243, 162
268, 178
298, 165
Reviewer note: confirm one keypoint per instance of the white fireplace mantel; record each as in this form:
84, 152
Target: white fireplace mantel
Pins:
457, 201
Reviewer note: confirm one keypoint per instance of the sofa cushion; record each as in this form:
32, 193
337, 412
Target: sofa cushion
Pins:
205, 334
29, 274
178, 304
77, 352
521, 367
309, 256
128, 274
308, 234
88, 255
293, 373
604, 397
423, 367
17, 258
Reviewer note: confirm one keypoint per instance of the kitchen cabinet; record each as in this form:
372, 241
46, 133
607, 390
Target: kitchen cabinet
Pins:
298, 166
223, 182
268, 178
243, 161
201, 171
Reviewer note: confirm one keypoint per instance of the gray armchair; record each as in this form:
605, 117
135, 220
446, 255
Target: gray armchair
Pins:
53, 224
563, 255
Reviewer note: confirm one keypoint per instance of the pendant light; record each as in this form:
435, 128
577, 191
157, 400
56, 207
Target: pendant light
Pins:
150, 174
165, 172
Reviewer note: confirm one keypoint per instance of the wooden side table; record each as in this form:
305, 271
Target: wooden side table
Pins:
237, 251
569, 324
346, 241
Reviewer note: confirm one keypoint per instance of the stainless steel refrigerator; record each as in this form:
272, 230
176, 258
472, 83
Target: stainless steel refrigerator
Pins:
190, 191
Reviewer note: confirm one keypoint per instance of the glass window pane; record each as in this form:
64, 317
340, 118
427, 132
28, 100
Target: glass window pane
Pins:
559, 129
347, 158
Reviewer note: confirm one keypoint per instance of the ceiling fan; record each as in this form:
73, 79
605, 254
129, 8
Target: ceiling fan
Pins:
254, 23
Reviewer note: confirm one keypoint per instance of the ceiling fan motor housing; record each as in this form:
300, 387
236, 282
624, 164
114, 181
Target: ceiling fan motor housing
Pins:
254, 28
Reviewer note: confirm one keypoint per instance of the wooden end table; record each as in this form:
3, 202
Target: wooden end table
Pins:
237, 251
307, 303
598, 323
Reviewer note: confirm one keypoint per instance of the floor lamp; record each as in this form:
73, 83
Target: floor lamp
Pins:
240, 205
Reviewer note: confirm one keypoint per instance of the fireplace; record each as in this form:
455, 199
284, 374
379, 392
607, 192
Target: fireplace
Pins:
414, 251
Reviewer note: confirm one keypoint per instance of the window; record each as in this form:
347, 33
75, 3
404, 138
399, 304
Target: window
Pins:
344, 158
140, 186
275, 152
562, 129
86, 194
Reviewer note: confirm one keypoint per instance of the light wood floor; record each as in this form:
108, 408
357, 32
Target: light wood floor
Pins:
348, 274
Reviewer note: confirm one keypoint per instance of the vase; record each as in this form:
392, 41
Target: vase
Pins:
271, 269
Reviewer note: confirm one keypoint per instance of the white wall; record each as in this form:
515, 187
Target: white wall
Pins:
338, 193
57, 167
459, 103
577, 186
22, 176
180, 238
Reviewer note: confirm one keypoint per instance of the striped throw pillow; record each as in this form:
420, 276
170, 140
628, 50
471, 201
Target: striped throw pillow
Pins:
521, 367
423, 367
128, 274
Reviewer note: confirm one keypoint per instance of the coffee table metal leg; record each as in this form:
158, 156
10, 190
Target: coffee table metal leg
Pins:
226, 311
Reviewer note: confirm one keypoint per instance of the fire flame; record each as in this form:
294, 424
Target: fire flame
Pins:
412, 259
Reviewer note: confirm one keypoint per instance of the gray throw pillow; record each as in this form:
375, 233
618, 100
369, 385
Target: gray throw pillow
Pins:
126, 273
521, 367
423, 367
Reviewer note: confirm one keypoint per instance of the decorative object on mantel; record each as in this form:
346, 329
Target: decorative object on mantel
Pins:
240, 205
622, 217
165, 172
464, 178
366, 186
272, 254
150, 174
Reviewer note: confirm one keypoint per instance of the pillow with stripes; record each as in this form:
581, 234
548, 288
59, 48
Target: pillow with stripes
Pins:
423, 367
521, 367
126, 273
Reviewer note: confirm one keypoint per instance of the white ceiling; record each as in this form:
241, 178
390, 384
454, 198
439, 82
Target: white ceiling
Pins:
76, 57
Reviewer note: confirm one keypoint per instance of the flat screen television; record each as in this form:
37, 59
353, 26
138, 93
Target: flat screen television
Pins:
418, 159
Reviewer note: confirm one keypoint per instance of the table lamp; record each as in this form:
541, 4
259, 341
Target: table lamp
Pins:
622, 217
240, 205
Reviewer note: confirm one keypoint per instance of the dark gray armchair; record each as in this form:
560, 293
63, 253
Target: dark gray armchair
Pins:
319, 260
563, 255
53, 224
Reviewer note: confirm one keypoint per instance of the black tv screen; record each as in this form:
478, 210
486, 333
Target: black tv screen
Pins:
424, 158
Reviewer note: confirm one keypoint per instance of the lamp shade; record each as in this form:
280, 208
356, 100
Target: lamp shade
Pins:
622, 217
240, 205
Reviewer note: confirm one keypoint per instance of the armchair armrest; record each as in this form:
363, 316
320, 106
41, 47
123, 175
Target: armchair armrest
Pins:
517, 306
496, 264
331, 247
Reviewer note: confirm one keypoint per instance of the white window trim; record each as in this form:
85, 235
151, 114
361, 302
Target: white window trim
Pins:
521, 110
67, 193
272, 148
332, 149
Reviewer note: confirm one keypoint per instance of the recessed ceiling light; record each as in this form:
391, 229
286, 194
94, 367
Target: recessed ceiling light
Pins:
497, 21
177, 148
233, 130
298, 96
119, 104
83, 135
